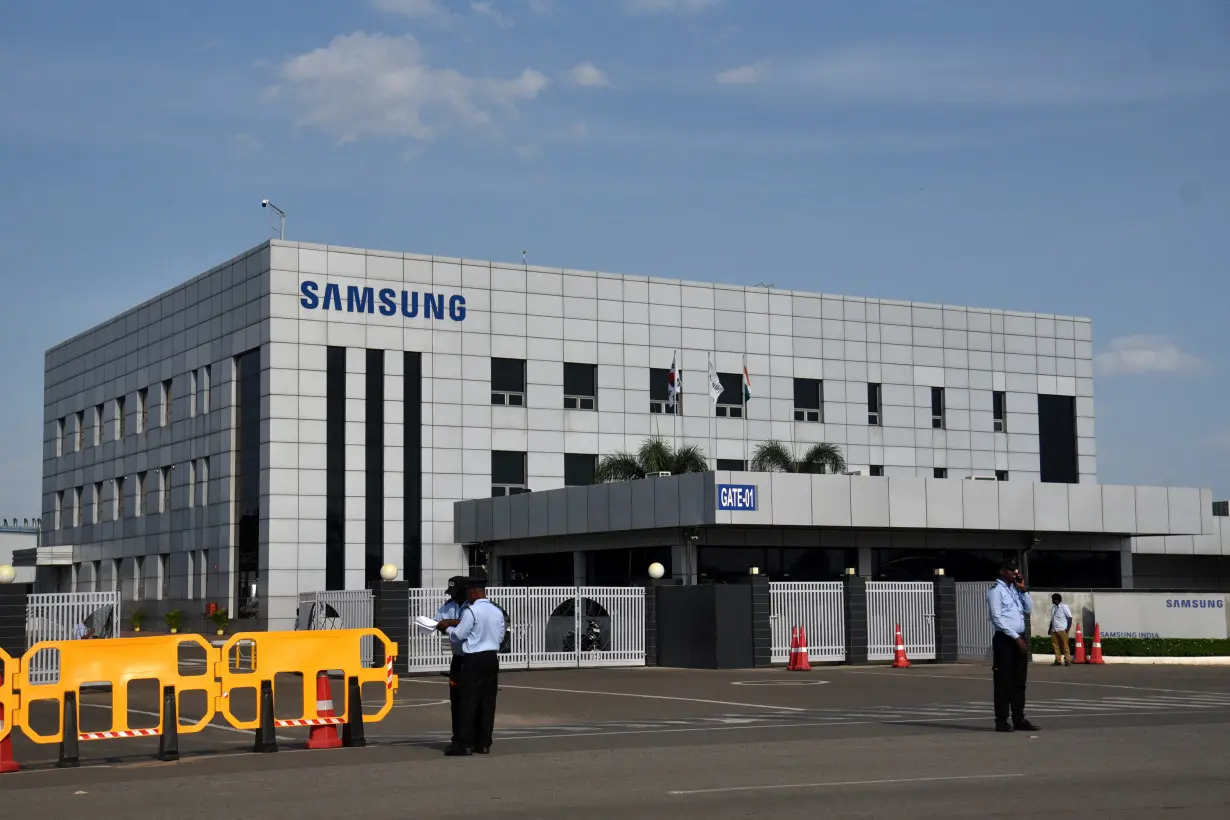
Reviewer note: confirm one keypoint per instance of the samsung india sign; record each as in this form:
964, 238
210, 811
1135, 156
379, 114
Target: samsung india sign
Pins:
385, 301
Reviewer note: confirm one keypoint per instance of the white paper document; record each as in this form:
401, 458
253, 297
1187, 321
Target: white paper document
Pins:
426, 625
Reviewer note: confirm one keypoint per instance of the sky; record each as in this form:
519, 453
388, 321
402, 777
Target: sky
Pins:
1048, 156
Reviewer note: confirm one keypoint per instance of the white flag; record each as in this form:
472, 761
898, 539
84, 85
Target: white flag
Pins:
673, 384
715, 383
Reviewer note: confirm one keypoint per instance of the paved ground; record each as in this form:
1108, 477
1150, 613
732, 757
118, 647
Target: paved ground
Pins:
1122, 742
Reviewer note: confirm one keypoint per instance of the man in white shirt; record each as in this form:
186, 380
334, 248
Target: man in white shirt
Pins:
1061, 623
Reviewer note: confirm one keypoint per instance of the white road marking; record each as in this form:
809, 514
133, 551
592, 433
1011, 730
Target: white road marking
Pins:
833, 784
647, 697
778, 683
1035, 682
404, 705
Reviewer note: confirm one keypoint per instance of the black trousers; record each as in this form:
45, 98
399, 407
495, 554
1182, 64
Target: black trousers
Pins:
1010, 666
479, 683
454, 697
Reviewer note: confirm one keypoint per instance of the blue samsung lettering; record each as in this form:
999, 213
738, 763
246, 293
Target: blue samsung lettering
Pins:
310, 300
360, 300
386, 301
333, 294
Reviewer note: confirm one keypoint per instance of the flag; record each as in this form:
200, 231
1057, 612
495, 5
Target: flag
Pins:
747, 384
715, 383
673, 384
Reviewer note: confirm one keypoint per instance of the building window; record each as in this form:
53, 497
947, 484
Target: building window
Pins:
247, 478
78, 501
143, 410
660, 392
120, 427
79, 437
940, 472
116, 564
190, 575
507, 473
164, 502
579, 469
373, 526
877, 469
808, 400
203, 477
164, 577
412, 463
937, 408
580, 386
59, 511
873, 405
98, 502
139, 496
730, 403
335, 467
166, 403
203, 568
97, 568
98, 424
191, 484
206, 374
59, 437
997, 402
508, 382
1001, 475
734, 465
139, 578
119, 500
191, 398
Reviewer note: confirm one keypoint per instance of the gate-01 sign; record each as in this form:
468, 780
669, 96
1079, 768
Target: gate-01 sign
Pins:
737, 497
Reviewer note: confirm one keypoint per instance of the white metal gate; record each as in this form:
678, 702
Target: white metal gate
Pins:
819, 608
56, 616
339, 609
974, 630
908, 604
551, 627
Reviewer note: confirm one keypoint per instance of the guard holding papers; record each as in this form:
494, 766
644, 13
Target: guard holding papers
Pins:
479, 630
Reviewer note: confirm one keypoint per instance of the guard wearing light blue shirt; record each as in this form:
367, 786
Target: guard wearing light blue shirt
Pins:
1008, 605
451, 611
480, 631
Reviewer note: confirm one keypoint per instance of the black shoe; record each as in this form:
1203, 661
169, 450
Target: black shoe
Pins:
1056, 663
482, 750
1025, 726
1003, 727
457, 751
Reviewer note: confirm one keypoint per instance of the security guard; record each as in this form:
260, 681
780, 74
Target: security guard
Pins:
451, 611
480, 630
1008, 605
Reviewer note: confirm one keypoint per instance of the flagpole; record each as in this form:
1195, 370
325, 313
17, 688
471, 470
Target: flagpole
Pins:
709, 377
676, 408
744, 387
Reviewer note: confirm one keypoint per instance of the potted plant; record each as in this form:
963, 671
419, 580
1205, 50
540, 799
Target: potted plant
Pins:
136, 619
174, 619
220, 619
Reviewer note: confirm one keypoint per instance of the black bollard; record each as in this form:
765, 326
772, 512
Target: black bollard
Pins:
69, 742
168, 741
266, 740
352, 732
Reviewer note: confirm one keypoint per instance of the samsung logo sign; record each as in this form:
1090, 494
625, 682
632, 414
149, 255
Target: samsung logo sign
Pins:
1195, 603
738, 497
386, 301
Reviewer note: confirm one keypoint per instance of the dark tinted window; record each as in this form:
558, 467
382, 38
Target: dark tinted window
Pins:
580, 379
732, 388
730, 464
873, 398
659, 383
997, 401
507, 375
1057, 439
807, 394
507, 467
579, 469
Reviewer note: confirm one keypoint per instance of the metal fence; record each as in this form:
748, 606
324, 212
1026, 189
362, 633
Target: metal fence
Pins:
56, 617
974, 630
908, 604
550, 627
339, 609
819, 608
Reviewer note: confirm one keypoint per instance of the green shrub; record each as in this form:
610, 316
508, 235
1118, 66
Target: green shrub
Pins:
1147, 647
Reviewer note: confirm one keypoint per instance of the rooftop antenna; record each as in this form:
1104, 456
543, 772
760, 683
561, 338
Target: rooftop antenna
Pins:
523, 262
282, 229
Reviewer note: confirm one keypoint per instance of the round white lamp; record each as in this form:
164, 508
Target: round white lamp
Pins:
389, 572
656, 570
7, 574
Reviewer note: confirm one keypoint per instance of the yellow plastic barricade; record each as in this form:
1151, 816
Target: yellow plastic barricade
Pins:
8, 700
117, 661
306, 654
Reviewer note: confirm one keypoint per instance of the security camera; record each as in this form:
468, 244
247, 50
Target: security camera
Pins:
264, 203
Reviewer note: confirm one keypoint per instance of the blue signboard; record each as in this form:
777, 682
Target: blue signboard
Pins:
737, 497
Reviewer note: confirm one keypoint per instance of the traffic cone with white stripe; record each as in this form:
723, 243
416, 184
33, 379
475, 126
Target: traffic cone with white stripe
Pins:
1096, 657
324, 737
7, 763
794, 650
803, 663
1079, 655
900, 661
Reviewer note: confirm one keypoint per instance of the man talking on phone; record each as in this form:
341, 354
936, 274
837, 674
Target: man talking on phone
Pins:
1009, 605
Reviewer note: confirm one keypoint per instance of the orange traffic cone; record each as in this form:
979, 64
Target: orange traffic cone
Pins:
1096, 657
900, 661
7, 763
803, 664
324, 737
794, 650
1079, 655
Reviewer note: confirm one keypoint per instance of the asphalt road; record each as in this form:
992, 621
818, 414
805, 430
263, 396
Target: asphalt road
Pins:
1121, 742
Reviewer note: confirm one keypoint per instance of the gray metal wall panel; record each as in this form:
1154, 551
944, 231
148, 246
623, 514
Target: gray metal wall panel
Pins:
577, 505
557, 512
464, 513
501, 513
621, 506
519, 518
643, 503
482, 531
692, 499
598, 497
539, 523
665, 502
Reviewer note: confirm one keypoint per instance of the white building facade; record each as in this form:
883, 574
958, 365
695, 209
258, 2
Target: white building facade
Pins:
298, 416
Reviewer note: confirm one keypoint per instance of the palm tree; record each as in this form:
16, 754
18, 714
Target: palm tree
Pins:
773, 456
655, 455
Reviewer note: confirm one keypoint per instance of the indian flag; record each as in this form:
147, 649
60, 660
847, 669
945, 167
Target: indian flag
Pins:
747, 384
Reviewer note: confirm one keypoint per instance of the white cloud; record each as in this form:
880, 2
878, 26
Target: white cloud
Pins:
414, 9
749, 74
578, 132
1144, 355
245, 143
487, 9
658, 6
541, 6
586, 75
373, 85
1020, 76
